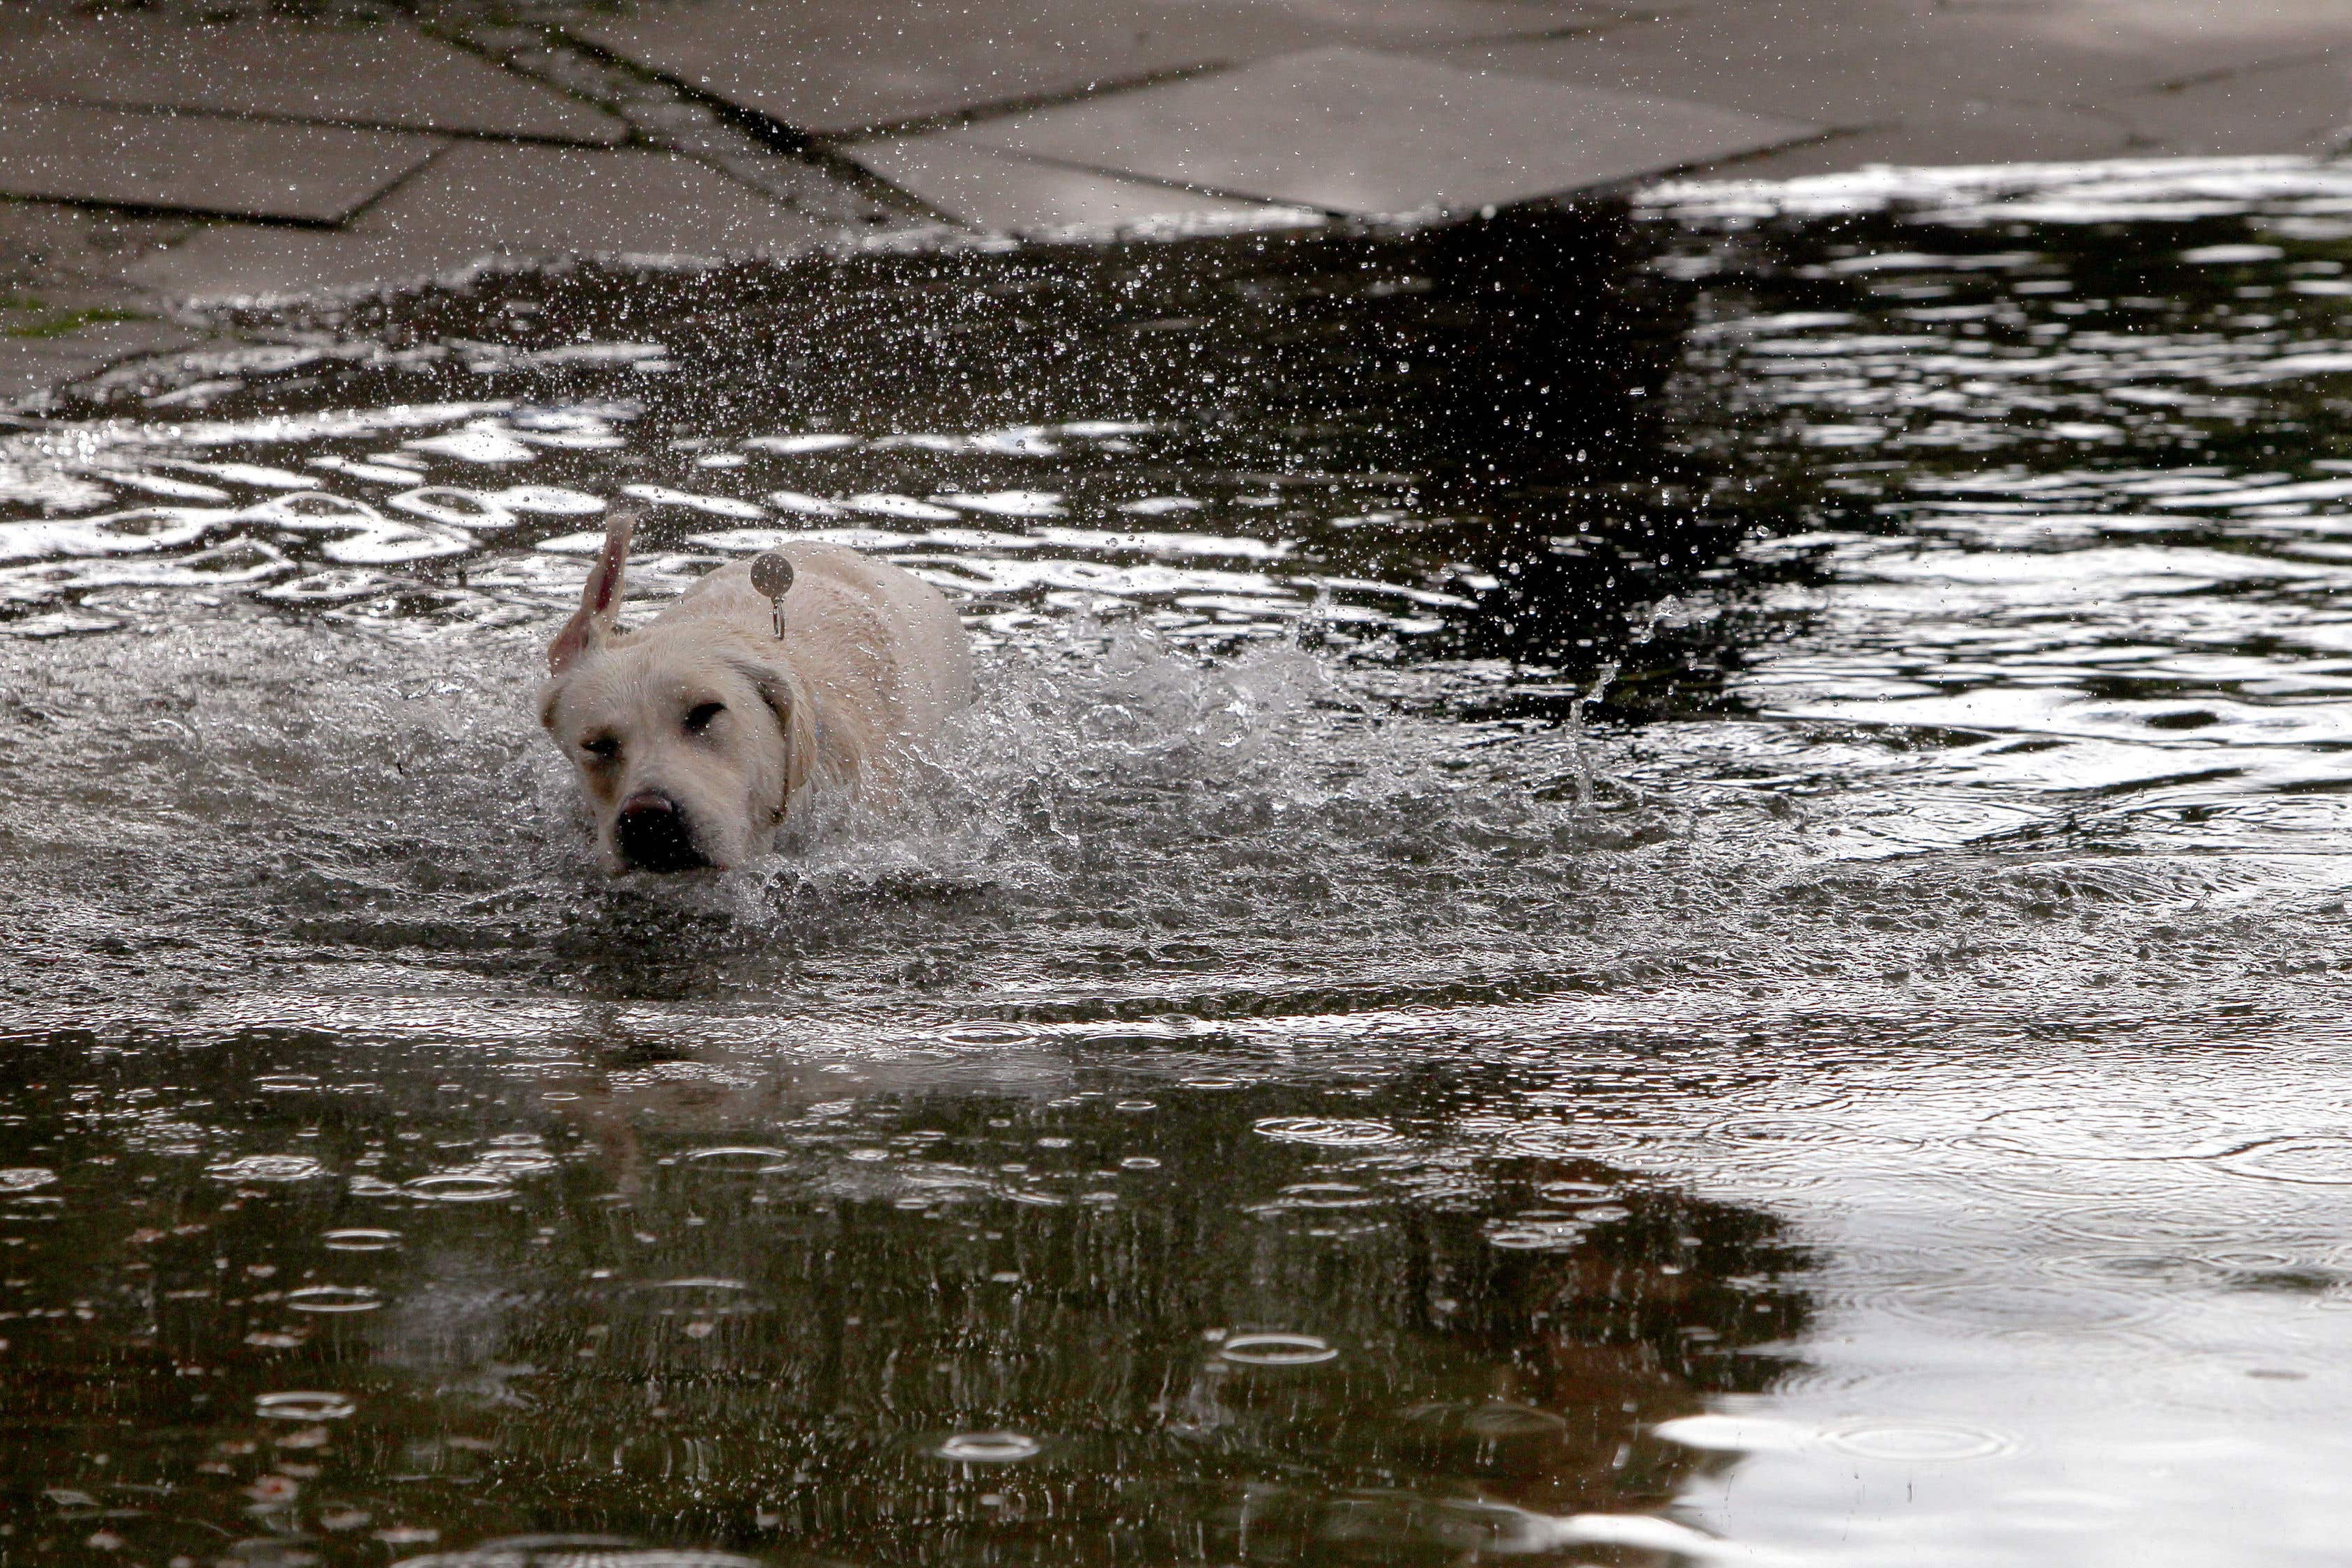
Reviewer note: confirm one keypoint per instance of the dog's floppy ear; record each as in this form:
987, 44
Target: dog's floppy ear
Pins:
794, 717
599, 600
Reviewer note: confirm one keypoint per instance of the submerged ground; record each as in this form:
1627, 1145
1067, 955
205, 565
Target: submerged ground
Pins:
1646, 886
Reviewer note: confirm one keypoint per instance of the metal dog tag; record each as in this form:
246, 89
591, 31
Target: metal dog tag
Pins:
771, 574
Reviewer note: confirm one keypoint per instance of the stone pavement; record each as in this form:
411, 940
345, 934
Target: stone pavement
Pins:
153, 156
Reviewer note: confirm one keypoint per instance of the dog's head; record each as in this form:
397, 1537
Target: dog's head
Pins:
683, 732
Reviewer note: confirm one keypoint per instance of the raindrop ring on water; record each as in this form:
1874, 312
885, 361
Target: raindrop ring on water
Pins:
1551, 1236
754, 1158
361, 1240
2312, 1161
266, 1168
1325, 1131
578, 1551
1917, 1442
989, 1447
1278, 1350
459, 1187
1496, 1421
333, 1299
303, 1404
988, 1032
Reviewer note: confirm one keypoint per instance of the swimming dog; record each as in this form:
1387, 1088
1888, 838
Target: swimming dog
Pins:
695, 733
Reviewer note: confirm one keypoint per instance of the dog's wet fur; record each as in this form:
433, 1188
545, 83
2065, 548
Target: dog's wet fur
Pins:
696, 734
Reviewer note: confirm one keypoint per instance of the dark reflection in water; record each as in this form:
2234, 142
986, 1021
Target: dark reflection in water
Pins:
1132, 1320
1476, 411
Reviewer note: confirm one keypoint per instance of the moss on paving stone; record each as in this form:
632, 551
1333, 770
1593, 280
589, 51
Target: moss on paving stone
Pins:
61, 323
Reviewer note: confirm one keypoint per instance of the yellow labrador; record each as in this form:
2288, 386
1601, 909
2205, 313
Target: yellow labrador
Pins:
694, 733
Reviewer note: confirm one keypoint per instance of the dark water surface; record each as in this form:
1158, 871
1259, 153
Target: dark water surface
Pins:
1645, 889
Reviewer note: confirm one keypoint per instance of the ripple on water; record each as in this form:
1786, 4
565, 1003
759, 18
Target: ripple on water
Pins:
1326, 1131
546, 501
577, 1552
1319, 1195
1567, 1141
1487, 1421
333, 1299
360, 1240
2316, 1160
752, 1158
988, 1448
1278, 1350
700, 1297
304, 1405
1540, 1233
458, 1187
1917, 1442
1802, 1134
2022, 1308
988, 1032
1576, 1193
2131, 1268
25, 1178
266, 1168
2138, 1130
285, 1083
2147, 1226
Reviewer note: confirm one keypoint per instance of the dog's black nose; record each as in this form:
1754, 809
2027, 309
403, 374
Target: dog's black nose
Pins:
652, 835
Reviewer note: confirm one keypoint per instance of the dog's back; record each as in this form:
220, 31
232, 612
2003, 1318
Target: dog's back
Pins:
873, 642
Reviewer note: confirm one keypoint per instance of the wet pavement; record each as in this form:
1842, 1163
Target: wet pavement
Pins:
1658, 884
267, 149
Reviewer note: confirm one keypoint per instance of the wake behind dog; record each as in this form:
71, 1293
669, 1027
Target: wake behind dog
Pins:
810, 667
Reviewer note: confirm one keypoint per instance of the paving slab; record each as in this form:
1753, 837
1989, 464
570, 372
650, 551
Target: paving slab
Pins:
2289, 109
2186, 39
26, 370
1000, 194
834, 69
46, 246
30, 365
1967, 133
388, 76
192, 163
1855, 66
1348, 131
487, 200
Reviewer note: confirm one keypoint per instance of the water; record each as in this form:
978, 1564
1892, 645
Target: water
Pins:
1661, 888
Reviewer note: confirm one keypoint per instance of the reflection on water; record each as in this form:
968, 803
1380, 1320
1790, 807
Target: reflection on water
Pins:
840, 1307
1657, 887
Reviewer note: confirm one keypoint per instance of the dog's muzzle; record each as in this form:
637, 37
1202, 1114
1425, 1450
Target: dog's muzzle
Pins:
652, 835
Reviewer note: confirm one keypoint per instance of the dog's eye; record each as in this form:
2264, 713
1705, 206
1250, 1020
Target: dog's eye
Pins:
699, 716
602, 748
